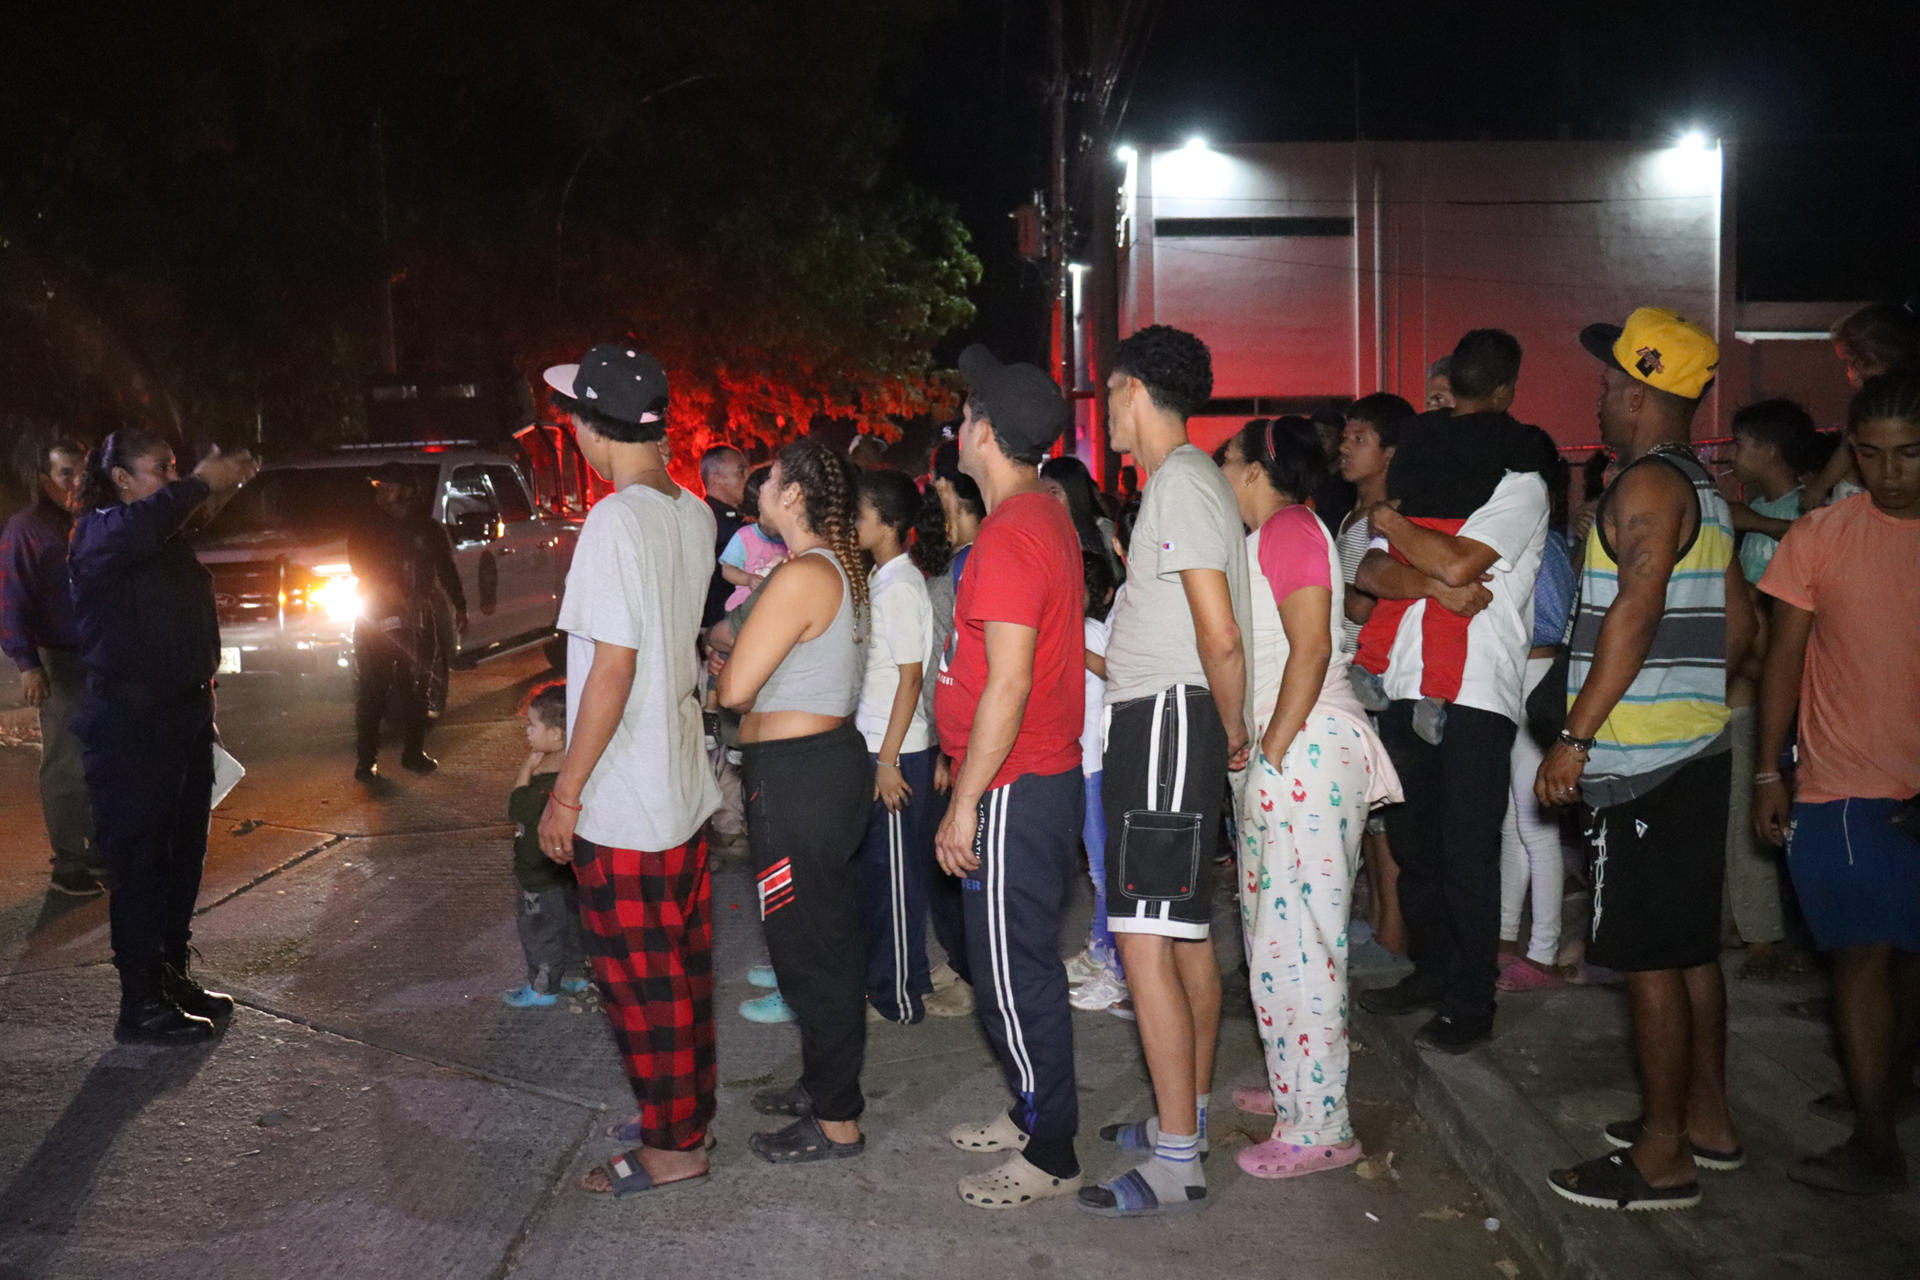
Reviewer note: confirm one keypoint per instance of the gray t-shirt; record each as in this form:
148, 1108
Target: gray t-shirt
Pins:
639, 580
1188, 520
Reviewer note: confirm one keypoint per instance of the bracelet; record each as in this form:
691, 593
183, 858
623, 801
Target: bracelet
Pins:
563, 804
1766, 777
1580, 745
889, 764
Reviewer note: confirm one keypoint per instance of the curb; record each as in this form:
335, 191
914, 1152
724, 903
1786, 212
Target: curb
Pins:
1494, 1133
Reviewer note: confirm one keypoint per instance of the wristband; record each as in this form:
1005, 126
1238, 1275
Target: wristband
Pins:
564, 805
1580, 745
1766, 777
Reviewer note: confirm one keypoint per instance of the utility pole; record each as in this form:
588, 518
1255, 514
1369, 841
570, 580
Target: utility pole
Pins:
1059, 220
386, 243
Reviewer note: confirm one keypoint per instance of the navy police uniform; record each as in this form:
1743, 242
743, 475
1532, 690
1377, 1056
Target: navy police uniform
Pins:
150, 643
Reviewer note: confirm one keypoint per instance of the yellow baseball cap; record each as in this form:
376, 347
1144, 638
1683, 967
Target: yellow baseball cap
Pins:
1661, 348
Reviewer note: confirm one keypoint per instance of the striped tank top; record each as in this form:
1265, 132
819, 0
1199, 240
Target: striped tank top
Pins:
1676, 708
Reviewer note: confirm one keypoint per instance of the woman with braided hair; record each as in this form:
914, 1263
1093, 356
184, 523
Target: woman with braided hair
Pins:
795, 675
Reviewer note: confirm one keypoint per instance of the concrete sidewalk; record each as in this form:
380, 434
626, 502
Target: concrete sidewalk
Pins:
374, 1111
1560, 1069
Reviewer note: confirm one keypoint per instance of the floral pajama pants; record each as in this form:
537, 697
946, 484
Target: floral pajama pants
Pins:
1299, 847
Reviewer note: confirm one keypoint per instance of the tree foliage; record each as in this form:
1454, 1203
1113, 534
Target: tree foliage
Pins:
191, 205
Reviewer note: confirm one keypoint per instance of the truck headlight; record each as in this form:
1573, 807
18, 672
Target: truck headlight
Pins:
337, 595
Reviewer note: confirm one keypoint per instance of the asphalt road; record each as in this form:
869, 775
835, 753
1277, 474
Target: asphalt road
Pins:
375, 1111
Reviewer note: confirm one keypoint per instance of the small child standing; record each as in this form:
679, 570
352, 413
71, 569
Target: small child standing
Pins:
549, 915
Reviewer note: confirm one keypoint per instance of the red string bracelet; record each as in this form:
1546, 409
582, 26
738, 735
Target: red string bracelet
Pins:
563, 804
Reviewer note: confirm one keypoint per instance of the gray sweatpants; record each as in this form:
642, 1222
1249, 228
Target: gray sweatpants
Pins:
551, 937
63, 785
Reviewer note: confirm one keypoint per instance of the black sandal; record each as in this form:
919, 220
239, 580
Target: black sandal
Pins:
1614, 1182
1624, 1133
790, 1101
803, 1142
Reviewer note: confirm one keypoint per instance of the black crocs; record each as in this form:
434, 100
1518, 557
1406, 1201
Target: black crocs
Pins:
790, 1101
803, 1142
1614, 1182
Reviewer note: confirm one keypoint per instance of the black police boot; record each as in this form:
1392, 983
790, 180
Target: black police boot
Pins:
179, 987
418, 761
148, 1017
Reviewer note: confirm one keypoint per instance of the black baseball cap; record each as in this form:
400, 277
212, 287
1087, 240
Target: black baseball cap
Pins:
616, 379
1028, 411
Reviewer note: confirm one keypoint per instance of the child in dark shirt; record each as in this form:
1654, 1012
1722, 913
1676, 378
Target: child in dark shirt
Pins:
549, 915
1446, 466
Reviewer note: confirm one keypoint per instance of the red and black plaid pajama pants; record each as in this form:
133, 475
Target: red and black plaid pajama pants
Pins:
649, 929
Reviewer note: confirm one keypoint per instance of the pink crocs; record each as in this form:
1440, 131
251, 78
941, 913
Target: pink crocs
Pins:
1276, 1159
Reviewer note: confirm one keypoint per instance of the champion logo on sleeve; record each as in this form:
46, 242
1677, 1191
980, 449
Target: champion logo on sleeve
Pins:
1166, 546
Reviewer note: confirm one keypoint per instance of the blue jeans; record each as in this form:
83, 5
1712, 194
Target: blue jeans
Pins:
1093, 833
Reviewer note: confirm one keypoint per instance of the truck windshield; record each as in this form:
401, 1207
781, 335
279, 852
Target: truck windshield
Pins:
303, 502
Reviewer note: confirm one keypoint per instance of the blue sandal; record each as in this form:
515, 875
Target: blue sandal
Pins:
626, 1176
1130, 1196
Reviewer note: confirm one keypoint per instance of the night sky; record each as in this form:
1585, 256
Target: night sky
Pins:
1822, 104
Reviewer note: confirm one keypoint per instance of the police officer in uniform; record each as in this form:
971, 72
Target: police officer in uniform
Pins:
150, 644
403, 558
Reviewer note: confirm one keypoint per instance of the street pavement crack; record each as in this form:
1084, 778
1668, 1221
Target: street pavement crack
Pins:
332, 841
255, 1002
556, 1186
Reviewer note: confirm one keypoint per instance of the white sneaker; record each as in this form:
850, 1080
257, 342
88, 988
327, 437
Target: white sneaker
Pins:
1099, 993
1083, 968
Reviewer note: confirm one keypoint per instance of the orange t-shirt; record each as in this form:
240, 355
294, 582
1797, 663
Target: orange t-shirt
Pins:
1857, 570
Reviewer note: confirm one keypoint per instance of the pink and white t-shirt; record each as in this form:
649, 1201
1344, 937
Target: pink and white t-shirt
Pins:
1290, 551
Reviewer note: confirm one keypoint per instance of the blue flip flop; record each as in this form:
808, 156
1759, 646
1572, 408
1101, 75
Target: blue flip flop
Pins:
1130, 1196
627, 1176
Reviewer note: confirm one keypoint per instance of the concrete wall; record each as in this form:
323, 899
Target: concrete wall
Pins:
1536, 238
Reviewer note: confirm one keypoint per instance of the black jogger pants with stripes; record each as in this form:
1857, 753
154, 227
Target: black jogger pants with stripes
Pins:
1028, 844
891, 875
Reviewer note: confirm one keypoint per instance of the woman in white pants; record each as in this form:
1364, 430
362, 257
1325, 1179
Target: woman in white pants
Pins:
1531, 865
1302, 804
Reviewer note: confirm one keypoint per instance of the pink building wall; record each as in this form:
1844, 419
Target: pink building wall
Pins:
1536, 238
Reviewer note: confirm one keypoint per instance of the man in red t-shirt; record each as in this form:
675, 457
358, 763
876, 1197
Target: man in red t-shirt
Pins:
1010, 701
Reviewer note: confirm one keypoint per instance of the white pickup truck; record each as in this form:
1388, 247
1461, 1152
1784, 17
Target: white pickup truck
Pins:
287, 598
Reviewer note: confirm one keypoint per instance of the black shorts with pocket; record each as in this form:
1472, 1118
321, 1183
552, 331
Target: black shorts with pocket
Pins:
1163, 786
1658, 863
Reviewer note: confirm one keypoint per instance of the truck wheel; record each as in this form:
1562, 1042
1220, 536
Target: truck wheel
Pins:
555, 651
